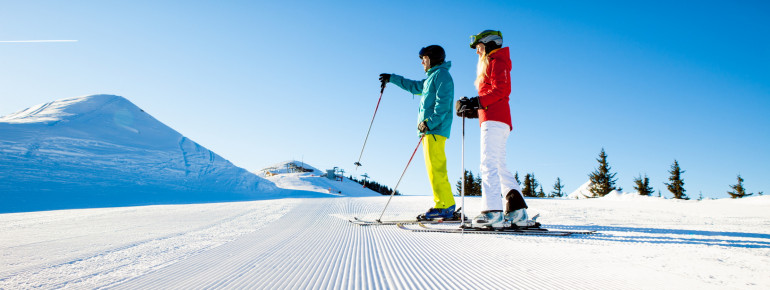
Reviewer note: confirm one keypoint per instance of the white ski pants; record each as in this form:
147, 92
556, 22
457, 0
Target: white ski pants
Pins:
496, 179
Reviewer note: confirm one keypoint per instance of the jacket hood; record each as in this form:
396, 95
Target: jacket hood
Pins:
500, 53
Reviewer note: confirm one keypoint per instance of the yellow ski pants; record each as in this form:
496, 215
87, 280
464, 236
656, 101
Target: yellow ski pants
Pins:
435, 162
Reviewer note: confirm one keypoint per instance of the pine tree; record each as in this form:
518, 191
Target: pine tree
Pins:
557, 188
516, 176
530, 185
472, 184
643, 185
529, 188
602, 181
738, 190
676, 187
540, 193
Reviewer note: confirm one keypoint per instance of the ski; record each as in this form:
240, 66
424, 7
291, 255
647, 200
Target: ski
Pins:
455, 219
505, 231
362, 222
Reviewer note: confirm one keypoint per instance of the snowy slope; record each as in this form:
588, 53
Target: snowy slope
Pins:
288, 166
102, 150
313, 180
645, 243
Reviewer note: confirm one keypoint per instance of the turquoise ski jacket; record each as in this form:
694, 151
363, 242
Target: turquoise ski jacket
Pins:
438, 93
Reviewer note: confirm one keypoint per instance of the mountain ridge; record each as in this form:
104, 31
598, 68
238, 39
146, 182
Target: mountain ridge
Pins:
102, 150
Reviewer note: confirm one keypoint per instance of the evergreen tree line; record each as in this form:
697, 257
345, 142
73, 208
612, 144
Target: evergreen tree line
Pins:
602, 183
375, 186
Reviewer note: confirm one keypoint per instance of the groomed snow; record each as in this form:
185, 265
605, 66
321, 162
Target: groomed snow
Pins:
102, 150
645, 243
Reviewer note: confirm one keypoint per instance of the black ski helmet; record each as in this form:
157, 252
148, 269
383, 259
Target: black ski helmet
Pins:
435, 53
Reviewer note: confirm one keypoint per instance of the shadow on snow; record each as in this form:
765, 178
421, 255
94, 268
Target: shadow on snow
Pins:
671, 236
35, 201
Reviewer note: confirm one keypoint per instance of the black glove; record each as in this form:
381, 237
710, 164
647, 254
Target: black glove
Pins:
384, 79
423, 127
468, 108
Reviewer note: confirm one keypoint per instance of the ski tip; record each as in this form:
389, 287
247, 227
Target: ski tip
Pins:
357, 221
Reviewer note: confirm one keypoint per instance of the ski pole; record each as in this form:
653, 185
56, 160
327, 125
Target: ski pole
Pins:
358, 163
462, 164
399, 179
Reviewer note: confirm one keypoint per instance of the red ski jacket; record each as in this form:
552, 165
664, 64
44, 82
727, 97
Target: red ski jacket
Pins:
495, 88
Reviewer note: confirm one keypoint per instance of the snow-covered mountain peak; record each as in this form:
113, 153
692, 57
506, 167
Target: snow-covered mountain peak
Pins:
102, 150
62, 109
108, 118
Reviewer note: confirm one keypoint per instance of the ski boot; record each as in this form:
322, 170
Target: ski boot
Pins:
458, 215
519, 219
438, 213
489, 219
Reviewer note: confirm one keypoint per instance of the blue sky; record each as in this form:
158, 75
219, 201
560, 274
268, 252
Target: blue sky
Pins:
260, 82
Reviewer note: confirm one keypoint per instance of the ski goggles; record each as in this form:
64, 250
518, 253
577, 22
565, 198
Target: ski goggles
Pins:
475, 39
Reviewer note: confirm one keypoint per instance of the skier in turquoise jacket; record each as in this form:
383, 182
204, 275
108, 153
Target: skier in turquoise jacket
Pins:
437, 93
434, 122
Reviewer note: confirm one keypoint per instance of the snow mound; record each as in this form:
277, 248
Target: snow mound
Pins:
754, 200
102, 150
584, 191
624, 195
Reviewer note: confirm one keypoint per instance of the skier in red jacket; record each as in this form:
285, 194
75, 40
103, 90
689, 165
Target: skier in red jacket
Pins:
491, 107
